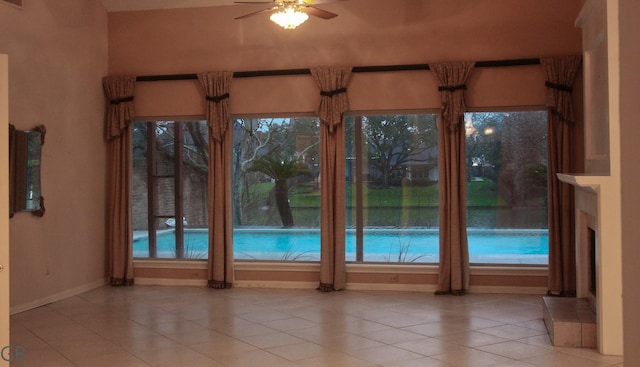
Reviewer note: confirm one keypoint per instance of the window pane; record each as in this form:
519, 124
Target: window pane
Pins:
276, 167
392, 188
194, 201
169, 189
507, 187
139, 190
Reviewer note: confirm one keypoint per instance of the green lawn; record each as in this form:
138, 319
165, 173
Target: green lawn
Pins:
480, 193
400, 206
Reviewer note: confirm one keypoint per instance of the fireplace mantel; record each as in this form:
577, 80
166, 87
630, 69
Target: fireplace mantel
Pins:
589, 182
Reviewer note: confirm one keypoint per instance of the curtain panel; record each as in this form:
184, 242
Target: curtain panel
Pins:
118, 133
220, 261
334, 102
561, 74
453, 275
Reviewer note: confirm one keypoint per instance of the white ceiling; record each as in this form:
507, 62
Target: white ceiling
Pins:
132, 5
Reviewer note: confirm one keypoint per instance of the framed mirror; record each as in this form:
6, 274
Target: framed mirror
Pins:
25, 153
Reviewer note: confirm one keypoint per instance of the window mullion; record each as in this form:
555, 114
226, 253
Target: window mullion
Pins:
152, 191
179, 188
359, 194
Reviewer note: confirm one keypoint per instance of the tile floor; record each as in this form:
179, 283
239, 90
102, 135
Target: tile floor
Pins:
191, 326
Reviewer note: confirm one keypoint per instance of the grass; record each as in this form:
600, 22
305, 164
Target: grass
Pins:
479, 193
403, 254
402, 207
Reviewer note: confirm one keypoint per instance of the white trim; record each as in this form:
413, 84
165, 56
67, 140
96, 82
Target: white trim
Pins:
351, 268
58, 296
428, 288
510, 270
168, 264
499, 289
391, 287
171, 282
276, 266
392, 268
507, 269
274, 284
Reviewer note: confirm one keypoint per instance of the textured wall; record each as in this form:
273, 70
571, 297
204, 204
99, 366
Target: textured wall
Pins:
57, 57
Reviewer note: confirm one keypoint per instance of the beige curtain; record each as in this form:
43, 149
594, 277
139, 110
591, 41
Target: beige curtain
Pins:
332, 82
561, 73
452, 178
118, 133
220, 263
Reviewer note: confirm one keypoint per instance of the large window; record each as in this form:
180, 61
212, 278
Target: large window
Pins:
169, 189
276, 194
507, 187
391, 179
392, 188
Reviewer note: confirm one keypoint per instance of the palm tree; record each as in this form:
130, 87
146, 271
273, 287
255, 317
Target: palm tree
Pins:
280, 169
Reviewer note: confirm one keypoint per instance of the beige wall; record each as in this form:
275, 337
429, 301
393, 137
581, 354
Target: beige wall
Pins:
366, 32
58, 55
630, 161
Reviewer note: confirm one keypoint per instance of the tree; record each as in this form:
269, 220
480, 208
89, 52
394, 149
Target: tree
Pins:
524, 155
397, 140
484, 143
510, 149
253, 138
280, 169
194, 142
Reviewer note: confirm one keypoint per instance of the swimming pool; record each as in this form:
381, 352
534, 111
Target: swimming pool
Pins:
379, 245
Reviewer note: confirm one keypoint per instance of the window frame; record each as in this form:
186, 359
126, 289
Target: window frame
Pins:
506, 109
153, 178
359, 222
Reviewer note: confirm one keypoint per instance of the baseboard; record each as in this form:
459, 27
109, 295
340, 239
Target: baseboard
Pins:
349, 286
171, 282
391, 287
429, 288
274, 284
58, 296
499, 289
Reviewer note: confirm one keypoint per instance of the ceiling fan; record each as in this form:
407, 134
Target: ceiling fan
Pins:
291, 13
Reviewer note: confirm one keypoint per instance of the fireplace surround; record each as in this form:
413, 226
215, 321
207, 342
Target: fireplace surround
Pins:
598, 255
598, 202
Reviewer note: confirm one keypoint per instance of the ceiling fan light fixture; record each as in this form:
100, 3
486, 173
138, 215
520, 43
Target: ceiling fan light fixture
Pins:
289, 17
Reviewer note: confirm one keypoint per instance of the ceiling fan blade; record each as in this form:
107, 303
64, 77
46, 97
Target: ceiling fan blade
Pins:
256, 12
320, 13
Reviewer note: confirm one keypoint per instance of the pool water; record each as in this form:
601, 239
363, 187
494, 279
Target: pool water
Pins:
379, 245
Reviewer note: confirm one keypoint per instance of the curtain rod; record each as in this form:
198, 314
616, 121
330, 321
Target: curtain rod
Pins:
356, 69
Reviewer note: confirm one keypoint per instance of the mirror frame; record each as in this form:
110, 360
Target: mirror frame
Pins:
39, 212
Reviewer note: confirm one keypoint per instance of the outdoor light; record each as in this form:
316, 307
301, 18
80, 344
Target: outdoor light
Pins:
489, 130
289, 17
469, 129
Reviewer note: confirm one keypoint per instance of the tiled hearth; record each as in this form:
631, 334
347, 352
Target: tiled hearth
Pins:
571, 322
